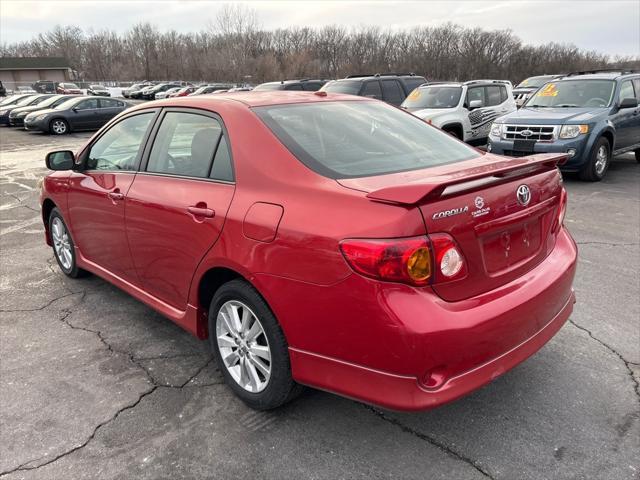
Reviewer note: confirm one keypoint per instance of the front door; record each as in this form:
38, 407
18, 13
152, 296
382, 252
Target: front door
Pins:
85, 115
178, 202
97, 195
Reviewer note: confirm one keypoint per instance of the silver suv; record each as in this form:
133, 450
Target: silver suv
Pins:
465, 110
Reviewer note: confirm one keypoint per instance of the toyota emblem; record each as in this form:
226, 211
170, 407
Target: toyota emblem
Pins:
524, 195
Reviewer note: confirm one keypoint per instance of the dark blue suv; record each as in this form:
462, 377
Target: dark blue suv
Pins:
591, 116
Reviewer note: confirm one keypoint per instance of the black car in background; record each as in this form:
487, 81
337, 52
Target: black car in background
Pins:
79, 113
98, 91
27, 101
16, 116
150, 93
393, 88
305, 84
135, 89
214, 87
45, 86
3, 91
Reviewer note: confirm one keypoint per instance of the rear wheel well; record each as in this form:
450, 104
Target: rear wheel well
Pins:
455, 129
211, 282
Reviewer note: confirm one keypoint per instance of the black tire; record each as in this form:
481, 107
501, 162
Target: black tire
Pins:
70, 270
280, 387
593, 171
454, 132
637, 152
58, 126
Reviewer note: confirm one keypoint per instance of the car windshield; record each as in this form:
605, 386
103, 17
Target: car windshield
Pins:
535, 82
433, 97
26, 101
351, 87
269, 86
68, 104
574, 93
359, 139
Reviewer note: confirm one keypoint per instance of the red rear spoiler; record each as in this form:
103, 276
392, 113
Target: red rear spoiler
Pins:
412, 193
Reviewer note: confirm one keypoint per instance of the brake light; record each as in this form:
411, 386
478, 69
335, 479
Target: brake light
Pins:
416, 261
562, 209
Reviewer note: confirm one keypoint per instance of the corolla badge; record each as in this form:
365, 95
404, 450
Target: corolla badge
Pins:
523, 195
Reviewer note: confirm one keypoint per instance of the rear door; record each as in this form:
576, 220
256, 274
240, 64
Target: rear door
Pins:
97, 193
177, 205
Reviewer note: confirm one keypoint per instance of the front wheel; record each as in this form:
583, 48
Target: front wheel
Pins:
58, 127
250, 347
598, 163
63, 247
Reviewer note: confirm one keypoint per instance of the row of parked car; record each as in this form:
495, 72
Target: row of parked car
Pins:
59, 114
591, 116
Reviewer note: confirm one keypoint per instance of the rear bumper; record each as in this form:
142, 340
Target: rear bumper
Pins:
407, 349
406, 393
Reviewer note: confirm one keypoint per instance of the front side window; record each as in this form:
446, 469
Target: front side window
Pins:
476, 93
359, 139
119, 147
574, 93
626, 90
433, 97
372, 90
185, 145
89, 104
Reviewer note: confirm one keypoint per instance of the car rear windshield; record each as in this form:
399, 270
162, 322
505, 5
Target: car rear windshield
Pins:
360, 139
574, 93
351, 87
433, 97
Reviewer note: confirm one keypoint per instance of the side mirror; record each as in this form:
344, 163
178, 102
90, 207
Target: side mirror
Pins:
473, 104
628, 102
75, 109
61, 160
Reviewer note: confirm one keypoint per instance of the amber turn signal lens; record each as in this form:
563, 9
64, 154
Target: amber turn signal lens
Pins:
419, 264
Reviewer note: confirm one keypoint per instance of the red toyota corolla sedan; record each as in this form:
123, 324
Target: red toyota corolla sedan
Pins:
321, 239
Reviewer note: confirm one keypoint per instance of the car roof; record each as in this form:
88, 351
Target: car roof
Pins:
602, 74
253, 99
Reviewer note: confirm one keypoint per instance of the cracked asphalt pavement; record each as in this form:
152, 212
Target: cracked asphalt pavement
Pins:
96, 385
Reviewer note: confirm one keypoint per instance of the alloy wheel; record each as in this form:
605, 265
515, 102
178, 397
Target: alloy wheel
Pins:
243, 346
601, 160
59, 127
61, 243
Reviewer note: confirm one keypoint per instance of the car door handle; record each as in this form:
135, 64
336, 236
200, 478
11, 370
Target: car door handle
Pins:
201, 212
116, 195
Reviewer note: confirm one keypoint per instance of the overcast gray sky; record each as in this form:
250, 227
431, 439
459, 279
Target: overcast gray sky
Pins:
608, 26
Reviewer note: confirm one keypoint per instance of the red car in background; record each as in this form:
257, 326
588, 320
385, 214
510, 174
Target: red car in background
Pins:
183, 92
68, 89
321, 239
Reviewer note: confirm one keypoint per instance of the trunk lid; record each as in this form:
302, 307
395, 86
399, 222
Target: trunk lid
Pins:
477, 203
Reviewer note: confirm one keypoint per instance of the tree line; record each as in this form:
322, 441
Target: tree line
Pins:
234, 48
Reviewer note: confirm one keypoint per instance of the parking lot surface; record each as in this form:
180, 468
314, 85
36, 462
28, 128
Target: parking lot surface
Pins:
96, 385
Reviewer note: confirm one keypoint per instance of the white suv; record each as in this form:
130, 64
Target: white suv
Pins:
465, 110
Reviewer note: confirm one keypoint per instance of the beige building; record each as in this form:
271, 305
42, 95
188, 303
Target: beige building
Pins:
24, 71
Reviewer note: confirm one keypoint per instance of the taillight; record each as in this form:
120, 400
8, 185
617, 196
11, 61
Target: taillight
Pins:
562, 209
416, 261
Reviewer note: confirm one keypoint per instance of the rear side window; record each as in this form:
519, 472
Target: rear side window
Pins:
413, 83
392, 92
119, 147
359, 139
185, 145
295, 86
222, 169
372, 90
493, 96
110, 103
